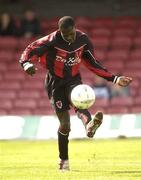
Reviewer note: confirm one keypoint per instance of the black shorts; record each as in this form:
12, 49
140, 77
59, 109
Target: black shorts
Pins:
59, 91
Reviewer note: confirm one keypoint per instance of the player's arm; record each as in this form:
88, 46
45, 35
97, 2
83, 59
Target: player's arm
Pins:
31, 55
95, 66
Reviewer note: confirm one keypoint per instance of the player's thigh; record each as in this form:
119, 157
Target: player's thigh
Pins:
59, 100
64, 118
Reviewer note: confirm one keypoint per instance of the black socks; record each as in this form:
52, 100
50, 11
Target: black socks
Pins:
63, 145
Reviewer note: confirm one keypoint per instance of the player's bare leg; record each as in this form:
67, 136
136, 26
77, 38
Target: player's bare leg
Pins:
94, 124
84, 115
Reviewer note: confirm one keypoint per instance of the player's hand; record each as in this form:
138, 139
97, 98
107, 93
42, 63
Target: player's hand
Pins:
124, 81
31, 71
29, 68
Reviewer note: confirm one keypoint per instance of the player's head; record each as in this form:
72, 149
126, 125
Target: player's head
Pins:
67, 27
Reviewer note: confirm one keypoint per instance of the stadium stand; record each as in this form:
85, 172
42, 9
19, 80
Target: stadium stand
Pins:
117, 43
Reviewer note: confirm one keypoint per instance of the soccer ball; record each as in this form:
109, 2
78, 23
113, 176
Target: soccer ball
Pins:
82, 96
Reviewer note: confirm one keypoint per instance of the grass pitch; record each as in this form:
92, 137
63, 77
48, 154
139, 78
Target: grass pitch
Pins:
89, 160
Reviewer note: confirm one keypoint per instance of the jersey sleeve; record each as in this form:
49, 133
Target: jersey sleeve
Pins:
94, 65
36, 50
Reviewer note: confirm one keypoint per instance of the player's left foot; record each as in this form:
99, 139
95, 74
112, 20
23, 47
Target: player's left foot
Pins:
64, 165
94, 124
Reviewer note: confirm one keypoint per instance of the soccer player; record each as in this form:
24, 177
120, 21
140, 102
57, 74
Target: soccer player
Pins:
61, 53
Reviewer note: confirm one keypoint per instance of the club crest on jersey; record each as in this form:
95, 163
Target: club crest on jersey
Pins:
59, 104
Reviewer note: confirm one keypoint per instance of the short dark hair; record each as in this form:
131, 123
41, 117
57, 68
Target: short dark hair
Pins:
66, 22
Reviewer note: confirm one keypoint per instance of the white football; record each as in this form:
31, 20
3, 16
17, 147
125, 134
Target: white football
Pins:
82, 96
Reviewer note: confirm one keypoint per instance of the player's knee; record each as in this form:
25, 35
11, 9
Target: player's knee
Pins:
64, 119
64, 129
63, 115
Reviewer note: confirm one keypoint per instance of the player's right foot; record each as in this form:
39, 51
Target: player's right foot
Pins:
94, 124
64, 165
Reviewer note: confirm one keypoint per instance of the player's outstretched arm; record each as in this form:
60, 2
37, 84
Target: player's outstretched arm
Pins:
123, 81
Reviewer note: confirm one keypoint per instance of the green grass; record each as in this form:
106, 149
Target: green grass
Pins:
89, 160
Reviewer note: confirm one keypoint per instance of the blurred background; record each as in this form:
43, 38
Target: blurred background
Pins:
114, 27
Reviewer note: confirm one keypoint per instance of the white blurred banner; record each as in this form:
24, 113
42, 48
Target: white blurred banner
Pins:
45, 127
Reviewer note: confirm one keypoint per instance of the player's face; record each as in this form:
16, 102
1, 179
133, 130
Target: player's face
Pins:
69, 34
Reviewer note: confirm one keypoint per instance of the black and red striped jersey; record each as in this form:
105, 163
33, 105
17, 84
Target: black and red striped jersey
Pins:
63, 59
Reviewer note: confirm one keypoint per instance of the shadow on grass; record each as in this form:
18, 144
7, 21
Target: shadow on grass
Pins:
114, 172
126, 172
